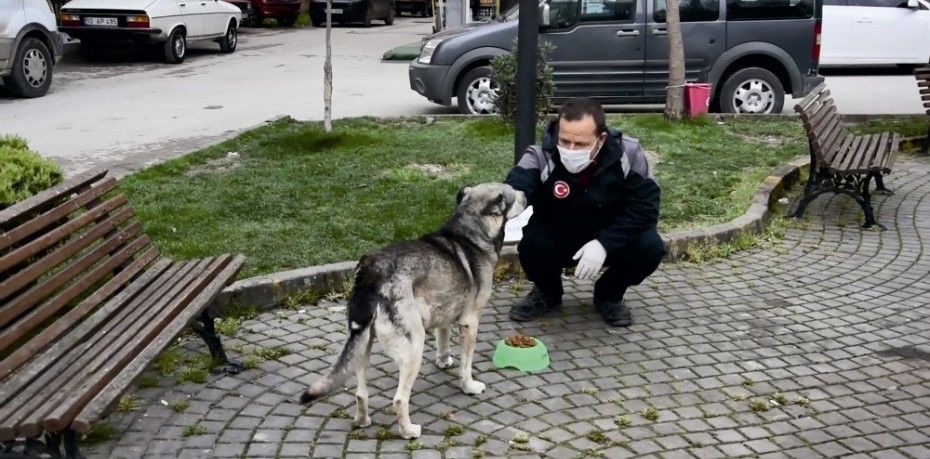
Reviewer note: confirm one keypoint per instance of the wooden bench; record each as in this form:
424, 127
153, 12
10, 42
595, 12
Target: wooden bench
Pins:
86, 304
923, 85
840, 161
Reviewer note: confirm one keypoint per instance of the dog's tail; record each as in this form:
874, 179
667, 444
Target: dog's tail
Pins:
361, 310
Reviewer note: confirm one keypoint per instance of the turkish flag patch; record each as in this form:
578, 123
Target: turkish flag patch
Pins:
561, 189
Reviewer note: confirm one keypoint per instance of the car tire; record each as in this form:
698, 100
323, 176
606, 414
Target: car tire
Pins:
229, 41
33, 66
389, 20
752, 90
287, 21
366, 20
476, 92
176, 47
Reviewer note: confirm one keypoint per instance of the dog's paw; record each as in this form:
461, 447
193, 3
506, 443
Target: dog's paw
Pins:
445, 362
473, 387
412, 432
362, 422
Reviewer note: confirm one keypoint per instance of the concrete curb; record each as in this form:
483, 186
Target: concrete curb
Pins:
269, 291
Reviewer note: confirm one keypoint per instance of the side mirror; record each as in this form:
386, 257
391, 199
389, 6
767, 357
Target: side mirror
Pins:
544, 14
913, 4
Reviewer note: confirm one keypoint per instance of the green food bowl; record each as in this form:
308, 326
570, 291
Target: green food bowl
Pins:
527, 359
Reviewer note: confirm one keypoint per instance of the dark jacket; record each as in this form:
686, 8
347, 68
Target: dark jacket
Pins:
620, 202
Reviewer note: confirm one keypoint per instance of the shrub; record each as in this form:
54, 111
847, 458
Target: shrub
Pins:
505, 73
23, 172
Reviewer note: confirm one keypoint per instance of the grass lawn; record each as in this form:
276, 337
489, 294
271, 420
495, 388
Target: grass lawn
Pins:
295, 196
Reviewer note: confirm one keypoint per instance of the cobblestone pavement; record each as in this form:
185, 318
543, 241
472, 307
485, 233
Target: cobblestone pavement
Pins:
817, 347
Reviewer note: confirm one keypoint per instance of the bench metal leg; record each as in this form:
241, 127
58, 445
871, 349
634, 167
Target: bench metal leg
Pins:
880, 186
207, 331
925, 148
47, 447
865, 201
71, 445
813, 180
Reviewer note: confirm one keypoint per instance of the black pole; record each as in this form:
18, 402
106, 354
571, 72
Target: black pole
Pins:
527, 39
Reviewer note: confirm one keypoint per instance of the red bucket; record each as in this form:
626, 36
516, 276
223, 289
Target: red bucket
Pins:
697, 98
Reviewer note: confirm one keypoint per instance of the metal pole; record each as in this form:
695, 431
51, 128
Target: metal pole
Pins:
527, 39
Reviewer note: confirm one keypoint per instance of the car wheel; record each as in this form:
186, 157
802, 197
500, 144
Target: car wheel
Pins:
31, 75
389, 20
287, 21
366, 21
752, 90
476, 92
176, 47
230, 40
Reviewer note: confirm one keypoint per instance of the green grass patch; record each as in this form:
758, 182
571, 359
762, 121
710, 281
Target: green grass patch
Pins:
296, 196
100, 433
147, 381
180, 406
228, 326
129, 403
192, 430
272, 353
167, 362
194, 375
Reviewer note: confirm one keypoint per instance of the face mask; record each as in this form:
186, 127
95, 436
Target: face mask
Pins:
575, 161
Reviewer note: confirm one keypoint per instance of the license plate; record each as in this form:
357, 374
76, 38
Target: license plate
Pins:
107, 22
333, 11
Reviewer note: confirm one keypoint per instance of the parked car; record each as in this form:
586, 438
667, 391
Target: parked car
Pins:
169, 23
422, 7
871, 32
752, 52
30, 46
283, 11
344, 11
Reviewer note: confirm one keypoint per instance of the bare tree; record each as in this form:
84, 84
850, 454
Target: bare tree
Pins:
674, 96
328, 71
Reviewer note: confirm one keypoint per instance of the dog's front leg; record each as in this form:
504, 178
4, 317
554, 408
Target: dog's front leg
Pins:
469, 332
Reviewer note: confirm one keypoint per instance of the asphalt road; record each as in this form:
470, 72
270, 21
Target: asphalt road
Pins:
130, 109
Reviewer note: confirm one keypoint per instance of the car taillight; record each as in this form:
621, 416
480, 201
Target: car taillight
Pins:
141, 22
70, 19
818, 29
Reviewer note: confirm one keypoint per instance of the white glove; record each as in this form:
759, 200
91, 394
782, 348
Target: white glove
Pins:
590, 258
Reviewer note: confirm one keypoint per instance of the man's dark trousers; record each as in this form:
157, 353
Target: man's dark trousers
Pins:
546, 251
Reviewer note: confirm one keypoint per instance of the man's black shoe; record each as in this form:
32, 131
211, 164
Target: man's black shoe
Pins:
533, 306
615, 313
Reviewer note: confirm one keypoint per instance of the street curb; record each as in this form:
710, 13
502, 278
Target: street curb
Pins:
268, 291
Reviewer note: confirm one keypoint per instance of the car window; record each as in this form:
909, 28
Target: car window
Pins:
690, 10
769, 9
608, 10
835, 3
880, 3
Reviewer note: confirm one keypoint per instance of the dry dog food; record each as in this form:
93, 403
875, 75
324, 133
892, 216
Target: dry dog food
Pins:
520, 341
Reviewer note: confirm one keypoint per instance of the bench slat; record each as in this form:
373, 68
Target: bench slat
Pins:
893, 150
60, 233
38, 315
101, 357
32, 347
844, 146
97, 407
52, 364
838, 160
44, 220
65, 411
820, 91
854, 158
35, 270
881, 150
826, 112
830, 139
47, 198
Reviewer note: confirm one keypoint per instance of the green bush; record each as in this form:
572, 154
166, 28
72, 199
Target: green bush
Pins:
505, 73
23, 172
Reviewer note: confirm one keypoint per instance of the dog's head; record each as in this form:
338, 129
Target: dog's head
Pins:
491, 200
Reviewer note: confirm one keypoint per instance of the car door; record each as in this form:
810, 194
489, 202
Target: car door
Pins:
598, 49
703, 34
835, 48
888, 32
192, 14
216, 18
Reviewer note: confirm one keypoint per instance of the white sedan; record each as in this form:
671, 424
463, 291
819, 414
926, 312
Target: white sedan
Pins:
171, 23
875, 32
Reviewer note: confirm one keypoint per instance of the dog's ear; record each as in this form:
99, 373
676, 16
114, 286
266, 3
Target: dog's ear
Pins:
462, 192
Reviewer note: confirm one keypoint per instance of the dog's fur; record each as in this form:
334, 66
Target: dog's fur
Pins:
407, 288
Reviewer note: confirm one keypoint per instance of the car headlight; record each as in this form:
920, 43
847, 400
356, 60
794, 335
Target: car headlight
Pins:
426, 54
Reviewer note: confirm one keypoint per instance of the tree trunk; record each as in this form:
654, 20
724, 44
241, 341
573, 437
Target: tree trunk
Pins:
328, 72
674, 100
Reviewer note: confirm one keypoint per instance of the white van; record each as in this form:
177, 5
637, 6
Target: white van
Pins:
30, 46
875, 32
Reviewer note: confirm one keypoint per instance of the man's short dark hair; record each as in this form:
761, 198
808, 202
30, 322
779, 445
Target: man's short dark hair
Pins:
577, 108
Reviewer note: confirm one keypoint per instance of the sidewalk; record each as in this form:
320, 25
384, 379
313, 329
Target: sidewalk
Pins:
819, 347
